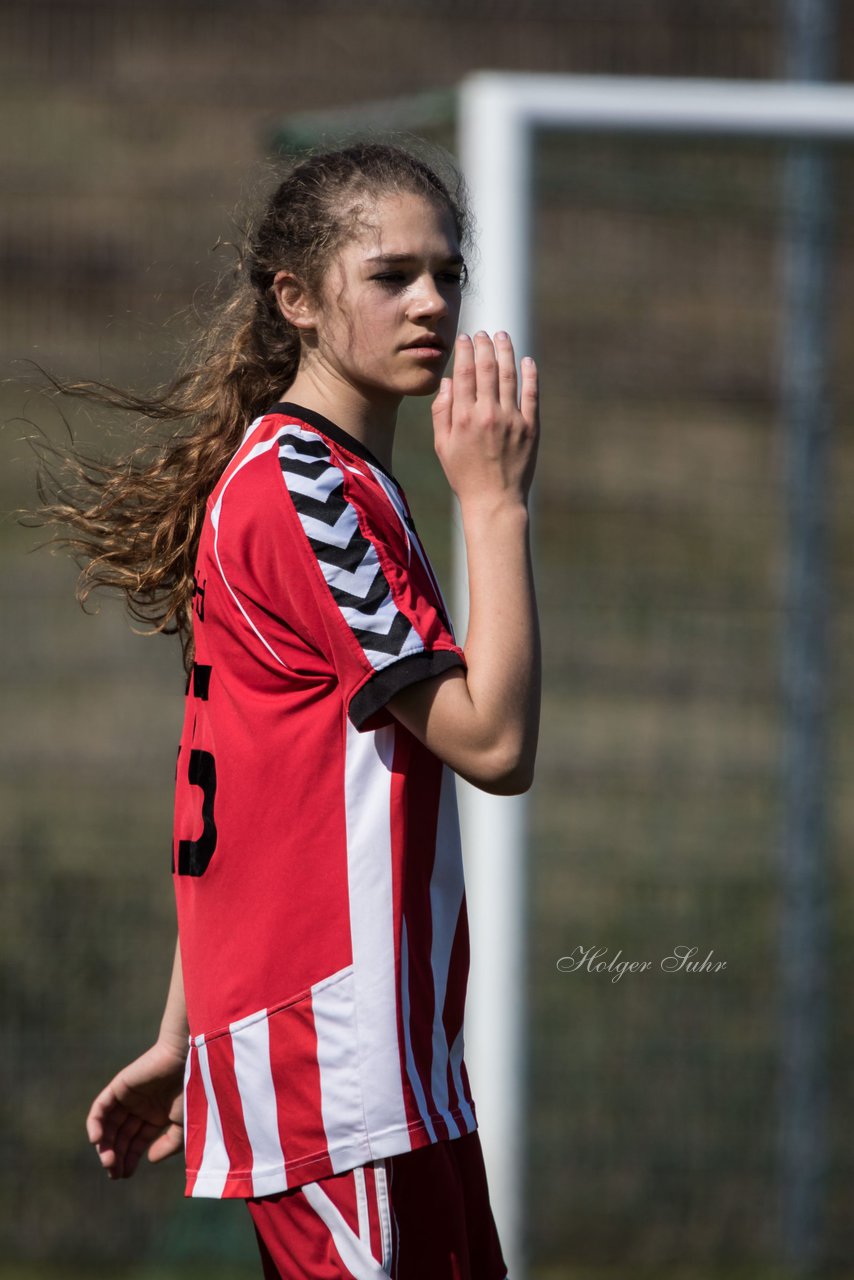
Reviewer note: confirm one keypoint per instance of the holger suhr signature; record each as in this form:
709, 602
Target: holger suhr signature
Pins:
680, 960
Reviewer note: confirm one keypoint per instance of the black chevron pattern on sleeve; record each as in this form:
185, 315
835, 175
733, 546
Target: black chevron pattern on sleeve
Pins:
347, 559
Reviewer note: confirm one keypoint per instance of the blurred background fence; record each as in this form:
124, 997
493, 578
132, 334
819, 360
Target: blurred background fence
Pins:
129, 134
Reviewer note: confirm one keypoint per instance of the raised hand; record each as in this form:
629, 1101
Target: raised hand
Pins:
485, 438
142, 1107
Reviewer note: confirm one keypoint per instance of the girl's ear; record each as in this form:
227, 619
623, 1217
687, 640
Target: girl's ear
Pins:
294, 302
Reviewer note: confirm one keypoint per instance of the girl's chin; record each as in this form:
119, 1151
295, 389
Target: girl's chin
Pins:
423, 382
431, 372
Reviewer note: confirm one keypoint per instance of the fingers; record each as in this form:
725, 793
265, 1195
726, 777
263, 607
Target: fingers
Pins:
465, 378
168, 1144
530, 392
119, 1136
136, 1147
121, 1153
94, 1125
483, 370
98, 1113
486, 367
442, 408
103, 1123
506, 371
113, 1149
141, 1106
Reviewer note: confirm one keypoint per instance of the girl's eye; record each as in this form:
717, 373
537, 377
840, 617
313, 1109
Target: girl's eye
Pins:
395, 278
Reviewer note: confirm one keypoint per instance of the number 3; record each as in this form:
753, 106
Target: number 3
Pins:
194, 855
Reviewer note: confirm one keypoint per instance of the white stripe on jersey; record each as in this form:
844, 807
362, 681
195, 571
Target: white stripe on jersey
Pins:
256, 422
188, 1066
446, 897
411, 1068
188, 1071
250, 1042
394, 498
334, 1012
391, 492
216, 511
367, 797
214, 1165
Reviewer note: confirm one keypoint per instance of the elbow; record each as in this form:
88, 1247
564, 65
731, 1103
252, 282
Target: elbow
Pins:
507, 772
514, 783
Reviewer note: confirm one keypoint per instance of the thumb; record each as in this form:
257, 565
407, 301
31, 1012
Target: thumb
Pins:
442, 409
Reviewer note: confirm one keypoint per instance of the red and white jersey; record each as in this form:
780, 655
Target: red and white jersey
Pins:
316, 857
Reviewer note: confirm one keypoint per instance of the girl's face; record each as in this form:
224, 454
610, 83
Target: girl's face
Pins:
391, 300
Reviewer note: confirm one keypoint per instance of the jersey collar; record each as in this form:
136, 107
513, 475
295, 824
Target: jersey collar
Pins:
331, 429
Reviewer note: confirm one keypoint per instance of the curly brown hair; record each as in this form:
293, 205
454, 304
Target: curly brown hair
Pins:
134, 523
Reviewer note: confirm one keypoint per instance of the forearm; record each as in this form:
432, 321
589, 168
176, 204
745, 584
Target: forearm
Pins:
174, 1029
502, 646
484, 722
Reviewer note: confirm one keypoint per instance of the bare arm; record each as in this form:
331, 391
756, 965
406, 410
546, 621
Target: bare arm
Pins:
174, 1030
143, 1106
484, 722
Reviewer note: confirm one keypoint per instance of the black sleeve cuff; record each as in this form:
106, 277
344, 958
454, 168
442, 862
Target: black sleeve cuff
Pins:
373, 696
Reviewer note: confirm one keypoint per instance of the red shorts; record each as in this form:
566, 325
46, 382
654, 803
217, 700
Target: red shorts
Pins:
420, 1215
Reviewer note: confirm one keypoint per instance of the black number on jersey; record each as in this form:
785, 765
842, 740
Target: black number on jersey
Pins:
194, 855
199, 597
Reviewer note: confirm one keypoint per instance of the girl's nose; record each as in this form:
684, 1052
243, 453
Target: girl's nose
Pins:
427, 300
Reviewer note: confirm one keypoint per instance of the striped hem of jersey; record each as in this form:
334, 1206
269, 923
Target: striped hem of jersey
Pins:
267, 1182
388, 681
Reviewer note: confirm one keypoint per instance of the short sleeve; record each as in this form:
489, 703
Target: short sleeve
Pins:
375, 609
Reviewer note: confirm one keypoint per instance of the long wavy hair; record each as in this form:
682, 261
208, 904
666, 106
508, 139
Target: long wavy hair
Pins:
133, 524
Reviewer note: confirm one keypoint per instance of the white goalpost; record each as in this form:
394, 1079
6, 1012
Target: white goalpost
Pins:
498, 116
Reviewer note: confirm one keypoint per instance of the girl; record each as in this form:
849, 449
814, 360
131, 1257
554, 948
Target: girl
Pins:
310, 1056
